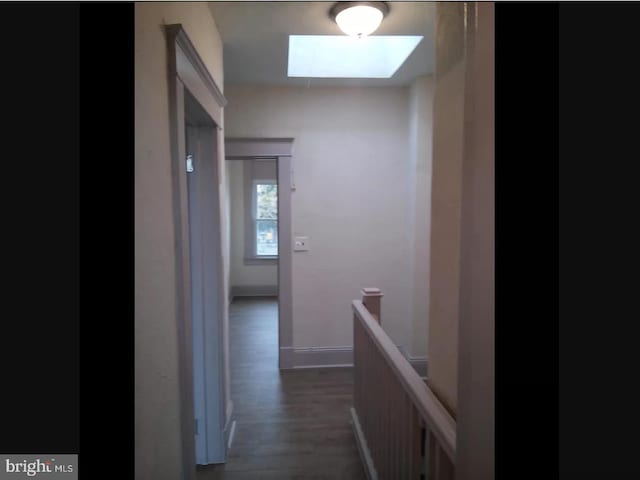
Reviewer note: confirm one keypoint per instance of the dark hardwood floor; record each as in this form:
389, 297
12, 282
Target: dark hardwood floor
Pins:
291, 424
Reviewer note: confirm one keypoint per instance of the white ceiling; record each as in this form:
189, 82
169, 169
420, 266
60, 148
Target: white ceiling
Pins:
256, 40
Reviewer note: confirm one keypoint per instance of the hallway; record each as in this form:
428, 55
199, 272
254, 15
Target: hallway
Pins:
291, 424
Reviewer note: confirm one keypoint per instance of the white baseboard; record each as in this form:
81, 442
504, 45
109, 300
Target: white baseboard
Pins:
365, 454
317, 357
254, 291
419, 363
323, 357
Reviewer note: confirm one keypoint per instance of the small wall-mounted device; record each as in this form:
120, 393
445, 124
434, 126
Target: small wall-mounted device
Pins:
301, 244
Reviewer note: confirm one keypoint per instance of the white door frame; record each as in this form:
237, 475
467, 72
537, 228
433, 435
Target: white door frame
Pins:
281, 149
206, 291
188, 72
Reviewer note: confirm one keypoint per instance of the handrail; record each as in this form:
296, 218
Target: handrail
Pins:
433, 413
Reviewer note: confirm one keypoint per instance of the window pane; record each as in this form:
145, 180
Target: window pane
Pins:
267, 237
267, 201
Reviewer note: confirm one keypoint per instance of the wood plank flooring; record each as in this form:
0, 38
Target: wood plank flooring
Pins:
291, 424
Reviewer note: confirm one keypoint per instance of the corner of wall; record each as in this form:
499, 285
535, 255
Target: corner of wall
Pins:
420, 164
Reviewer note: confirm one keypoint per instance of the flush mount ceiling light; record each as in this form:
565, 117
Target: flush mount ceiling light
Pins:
358, 19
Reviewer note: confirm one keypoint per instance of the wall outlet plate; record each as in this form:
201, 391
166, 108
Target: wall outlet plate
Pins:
301, 244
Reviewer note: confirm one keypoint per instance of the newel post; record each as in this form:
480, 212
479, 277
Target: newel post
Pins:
371, 300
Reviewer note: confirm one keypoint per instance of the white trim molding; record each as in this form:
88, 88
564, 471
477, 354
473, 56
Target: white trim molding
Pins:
323, 357
177, 34
317, 357
240, 148
419, 363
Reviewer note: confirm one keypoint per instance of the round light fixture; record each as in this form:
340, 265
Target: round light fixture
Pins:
359, 19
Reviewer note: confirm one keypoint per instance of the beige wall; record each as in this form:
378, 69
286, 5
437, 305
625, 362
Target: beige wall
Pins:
420, 152
350, 169
241, 274
448, 120
476, 377
462, 312
158, 442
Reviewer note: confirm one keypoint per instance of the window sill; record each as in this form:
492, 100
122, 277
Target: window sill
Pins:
261, 260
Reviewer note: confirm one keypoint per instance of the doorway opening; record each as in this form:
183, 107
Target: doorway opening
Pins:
252, 199
253, 220
206, 281
259, 185
260, 180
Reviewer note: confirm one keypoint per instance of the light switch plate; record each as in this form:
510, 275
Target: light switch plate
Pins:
301, 244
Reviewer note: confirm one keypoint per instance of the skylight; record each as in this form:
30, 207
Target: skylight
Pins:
342, 56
